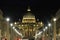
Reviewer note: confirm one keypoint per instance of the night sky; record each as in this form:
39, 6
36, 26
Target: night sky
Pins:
15, 9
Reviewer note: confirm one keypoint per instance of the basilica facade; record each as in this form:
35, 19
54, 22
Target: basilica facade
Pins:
29, 25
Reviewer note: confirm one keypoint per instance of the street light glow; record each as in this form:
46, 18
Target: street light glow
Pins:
41, 23
11, 24
43, 29
22, 25
7, 19
13, 27
54, 19
49, 24
46, 27
15, 23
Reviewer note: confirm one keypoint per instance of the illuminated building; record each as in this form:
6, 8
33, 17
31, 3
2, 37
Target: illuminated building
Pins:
4, 34
58, 25
56, 32
29, 25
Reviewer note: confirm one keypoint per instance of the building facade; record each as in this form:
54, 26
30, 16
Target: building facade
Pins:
4, 34
29, 25
58, 24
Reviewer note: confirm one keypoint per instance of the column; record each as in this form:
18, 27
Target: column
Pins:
54, 30
7, 32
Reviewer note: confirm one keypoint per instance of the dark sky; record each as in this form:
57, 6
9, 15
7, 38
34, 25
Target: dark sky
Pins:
15, 9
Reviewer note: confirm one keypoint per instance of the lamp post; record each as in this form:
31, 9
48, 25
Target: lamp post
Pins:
11, 37
49, 30
54, 37
46, 32
11, 24
7, 33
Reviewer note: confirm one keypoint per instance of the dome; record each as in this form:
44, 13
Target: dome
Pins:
28, 18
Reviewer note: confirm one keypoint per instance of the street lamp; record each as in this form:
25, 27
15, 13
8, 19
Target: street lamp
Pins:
49, 24
15, 23
54, 19
13, 27
46, 27
7, 33
46, 32
11, 24
49, 30
7, 19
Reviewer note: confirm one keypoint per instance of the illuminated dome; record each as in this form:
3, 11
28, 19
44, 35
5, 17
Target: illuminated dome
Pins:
29, 17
